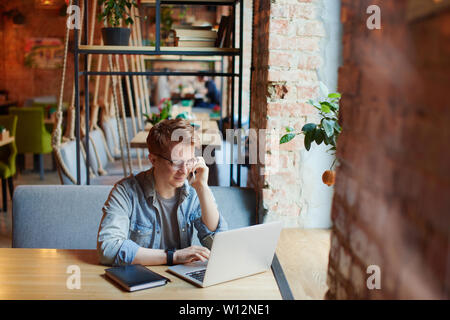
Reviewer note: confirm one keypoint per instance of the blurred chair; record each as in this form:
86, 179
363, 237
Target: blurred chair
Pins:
31, 135
8, 155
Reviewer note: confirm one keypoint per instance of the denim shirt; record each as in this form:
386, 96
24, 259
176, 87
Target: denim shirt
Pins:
131, 220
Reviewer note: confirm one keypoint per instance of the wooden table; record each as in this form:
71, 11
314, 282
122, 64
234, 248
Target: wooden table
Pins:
204, 125
205, 116
42, 274
4, 142
209, 134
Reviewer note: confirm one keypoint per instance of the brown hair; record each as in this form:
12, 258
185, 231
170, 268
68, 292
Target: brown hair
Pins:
166, 134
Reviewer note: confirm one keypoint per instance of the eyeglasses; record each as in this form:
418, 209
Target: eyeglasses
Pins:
178, 164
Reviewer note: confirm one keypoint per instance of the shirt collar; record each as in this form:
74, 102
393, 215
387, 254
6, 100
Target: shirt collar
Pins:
147, 182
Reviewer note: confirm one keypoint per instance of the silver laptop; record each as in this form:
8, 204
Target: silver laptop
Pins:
234, 254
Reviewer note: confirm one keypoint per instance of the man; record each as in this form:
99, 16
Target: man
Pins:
212, 94
149, 218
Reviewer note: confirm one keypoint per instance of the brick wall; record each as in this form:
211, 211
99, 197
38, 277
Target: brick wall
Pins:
23, 82
286, 56
391, 205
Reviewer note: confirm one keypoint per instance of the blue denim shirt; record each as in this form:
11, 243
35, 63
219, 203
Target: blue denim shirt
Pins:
131, 220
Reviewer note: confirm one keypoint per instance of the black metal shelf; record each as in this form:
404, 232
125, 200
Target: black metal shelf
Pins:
158, 73
85, 50
191, 2
151, 51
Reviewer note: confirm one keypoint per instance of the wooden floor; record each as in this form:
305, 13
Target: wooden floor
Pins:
304, 259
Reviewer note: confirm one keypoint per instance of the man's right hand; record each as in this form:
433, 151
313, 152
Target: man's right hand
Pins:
190, 254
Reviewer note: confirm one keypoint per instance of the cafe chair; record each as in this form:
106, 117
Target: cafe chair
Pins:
112, 136
8, 155
68, 217
101, 163
31, 135
67, 170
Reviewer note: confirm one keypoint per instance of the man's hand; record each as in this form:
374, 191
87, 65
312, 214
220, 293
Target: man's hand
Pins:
201, 173
190, 254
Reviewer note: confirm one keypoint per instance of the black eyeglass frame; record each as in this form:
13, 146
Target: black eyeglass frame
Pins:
174, 165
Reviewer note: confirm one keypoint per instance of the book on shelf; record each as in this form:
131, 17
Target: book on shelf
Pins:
208, 34
223, 39
193, 43
190, 27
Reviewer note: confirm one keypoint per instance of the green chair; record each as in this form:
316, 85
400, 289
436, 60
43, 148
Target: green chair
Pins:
8, 154
31, 135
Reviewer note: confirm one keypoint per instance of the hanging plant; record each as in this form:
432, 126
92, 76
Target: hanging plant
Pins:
326, 131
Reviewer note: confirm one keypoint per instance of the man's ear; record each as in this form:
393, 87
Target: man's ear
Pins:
152, 159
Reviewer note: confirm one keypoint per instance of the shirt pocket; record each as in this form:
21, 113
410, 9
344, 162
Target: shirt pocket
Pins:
141, 234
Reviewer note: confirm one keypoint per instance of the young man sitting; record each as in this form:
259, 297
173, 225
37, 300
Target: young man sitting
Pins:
149, 218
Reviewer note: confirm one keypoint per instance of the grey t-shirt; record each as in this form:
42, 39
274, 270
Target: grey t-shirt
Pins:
170, 237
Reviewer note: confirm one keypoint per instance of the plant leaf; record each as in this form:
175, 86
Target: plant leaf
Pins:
308, 139
314, 104
289, 129
328, 125
287, 137
335, 95
318, 135
325, 108
331, 106
309, 127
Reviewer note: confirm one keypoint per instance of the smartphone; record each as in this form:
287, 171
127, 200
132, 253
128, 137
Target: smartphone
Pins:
191, 177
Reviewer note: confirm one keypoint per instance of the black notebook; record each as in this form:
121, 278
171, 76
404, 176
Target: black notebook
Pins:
135, 277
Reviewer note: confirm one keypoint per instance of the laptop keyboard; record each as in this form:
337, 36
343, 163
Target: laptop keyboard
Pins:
197, 275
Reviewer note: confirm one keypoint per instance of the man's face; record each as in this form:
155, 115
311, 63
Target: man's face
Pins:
173, 174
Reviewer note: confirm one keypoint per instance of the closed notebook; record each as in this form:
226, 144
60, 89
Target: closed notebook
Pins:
135, 277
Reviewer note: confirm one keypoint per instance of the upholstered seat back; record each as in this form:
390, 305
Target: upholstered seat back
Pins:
68, 217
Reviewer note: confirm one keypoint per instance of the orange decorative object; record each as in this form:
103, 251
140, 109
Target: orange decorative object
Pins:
329, 177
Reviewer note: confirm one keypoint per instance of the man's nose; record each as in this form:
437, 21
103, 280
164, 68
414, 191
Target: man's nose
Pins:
183, 168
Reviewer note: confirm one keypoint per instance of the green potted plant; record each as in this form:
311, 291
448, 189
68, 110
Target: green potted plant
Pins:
165, 111
114, 11
326, 131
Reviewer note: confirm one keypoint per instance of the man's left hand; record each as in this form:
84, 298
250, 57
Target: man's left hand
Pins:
201, 174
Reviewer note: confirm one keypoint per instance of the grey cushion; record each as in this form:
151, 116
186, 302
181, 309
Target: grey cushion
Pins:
68, 152
236, 205
112, 137
61, 217
112, 168
68, 155
68, 217
96, 142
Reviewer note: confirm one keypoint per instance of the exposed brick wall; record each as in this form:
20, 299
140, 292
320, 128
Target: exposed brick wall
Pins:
23, 82
391, 206
286, 56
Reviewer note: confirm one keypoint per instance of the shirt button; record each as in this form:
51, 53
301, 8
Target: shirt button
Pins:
183, 229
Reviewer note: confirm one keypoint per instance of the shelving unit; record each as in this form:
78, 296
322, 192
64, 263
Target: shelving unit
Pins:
84, 50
